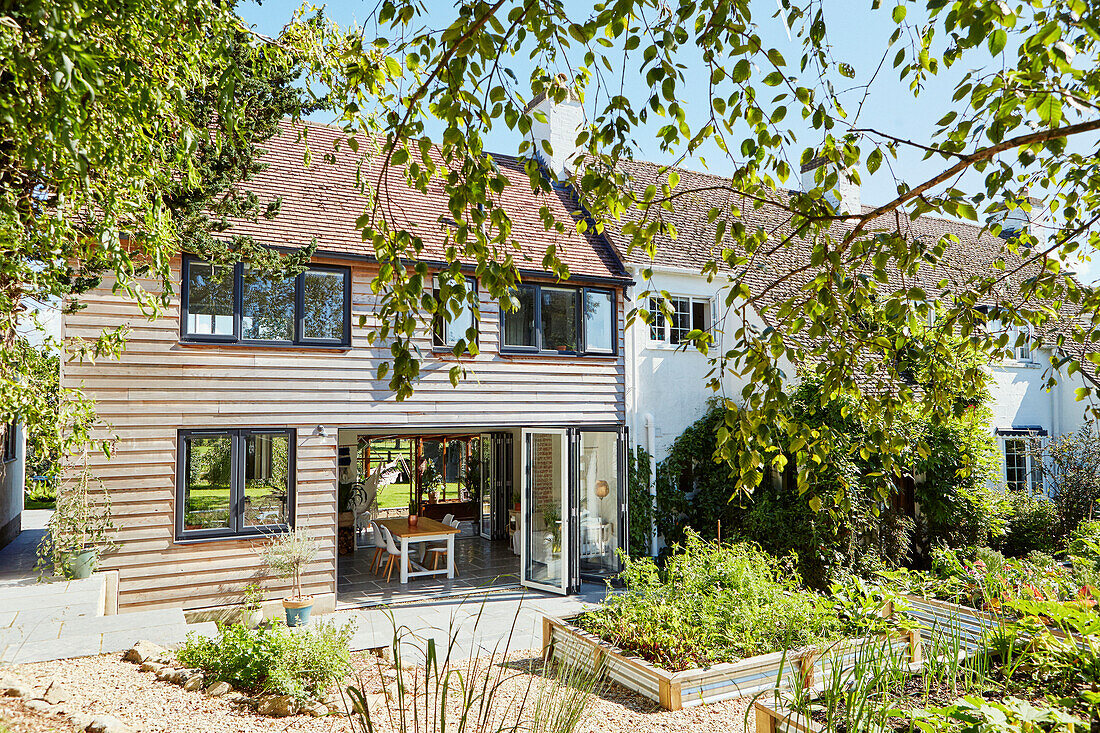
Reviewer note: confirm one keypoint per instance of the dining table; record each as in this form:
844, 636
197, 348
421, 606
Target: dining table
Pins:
425, 530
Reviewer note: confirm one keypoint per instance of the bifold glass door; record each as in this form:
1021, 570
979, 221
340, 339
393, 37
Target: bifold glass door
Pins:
485, 484
600, 498
544, 510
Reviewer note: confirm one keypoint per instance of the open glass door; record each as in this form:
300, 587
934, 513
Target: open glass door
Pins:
485, 484
544, 514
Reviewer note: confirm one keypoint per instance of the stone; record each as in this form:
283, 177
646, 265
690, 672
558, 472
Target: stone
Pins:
277, 706
143, 651
218, 689
107, 724
38, 706
315, 708
151, 666
179, 676
165, 673
56, 694
81, 721
194, 682
18, 689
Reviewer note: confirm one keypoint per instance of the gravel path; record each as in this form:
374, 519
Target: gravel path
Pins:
107, 685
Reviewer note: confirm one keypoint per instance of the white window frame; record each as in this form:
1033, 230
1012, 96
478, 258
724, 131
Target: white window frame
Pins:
1032, 472
1021, 354
662, 323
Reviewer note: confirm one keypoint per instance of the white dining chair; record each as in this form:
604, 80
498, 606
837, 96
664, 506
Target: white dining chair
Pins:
392, 551
441, 551
379, 547
448, 518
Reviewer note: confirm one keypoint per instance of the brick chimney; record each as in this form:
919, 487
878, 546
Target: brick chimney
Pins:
848, 189
564, 121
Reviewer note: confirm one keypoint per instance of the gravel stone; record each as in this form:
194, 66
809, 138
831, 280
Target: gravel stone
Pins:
18, 689
194, 682
277, 706
218, 689
315, 708
151, 666
56, 694
143, 651
39, 706
107, 724
165, 673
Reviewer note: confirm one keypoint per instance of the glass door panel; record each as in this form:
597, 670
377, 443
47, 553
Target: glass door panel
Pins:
544, 511
485, 484
599, 501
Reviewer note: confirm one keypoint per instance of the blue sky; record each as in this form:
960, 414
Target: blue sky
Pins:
858, 36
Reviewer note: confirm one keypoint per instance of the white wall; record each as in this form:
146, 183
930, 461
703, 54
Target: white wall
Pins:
670, 383
11, 489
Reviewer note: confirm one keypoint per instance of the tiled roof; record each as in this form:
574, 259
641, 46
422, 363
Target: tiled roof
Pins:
974, 253
324, 200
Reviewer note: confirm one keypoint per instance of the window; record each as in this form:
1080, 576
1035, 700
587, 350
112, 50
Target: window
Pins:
1019, 339
559, 319
599, 321
9, 447
209, 300
686, 315
267, 307
1021, 470
551, 318
233, 303
450, 327
234, 483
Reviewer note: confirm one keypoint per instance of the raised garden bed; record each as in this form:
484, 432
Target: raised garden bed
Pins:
564, 641
776, 713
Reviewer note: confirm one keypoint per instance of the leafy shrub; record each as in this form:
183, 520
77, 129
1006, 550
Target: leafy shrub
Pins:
1084, 542
641, 502
711, 603
301, 662
1071, 475
1032, 526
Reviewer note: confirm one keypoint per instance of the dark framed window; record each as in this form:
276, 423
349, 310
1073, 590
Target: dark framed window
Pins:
232, 303
562, 320
234, 483
449, 328
9, 448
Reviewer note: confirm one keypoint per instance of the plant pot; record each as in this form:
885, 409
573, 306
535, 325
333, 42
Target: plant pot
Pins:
413, 520
79, 564
517, 507
297, 610
252, 618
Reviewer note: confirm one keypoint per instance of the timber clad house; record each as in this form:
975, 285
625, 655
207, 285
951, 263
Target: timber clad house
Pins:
251, 406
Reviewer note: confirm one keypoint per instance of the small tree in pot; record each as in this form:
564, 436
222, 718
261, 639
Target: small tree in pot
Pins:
78, 530
287, 555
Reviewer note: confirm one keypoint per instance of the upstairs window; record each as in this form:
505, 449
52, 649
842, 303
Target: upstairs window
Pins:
1019, 339
564, 320
234, 303
451, 327
686, 314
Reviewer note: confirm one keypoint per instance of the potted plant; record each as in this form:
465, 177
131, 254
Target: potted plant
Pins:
413, 509
78, 530
515, 499
287, 555
252, 613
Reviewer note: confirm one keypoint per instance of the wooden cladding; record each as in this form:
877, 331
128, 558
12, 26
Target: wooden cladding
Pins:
161, 385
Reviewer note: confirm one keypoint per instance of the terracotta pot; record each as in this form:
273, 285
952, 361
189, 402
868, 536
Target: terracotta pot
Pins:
412, 520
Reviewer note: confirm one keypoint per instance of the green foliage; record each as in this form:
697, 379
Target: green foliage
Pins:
1071, 476
288, 554
1008, 132
640, 501
1084, 542
711, 603
1032, 525
957, 507
303, 662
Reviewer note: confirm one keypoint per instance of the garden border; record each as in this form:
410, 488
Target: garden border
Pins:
563, 641
970, 624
